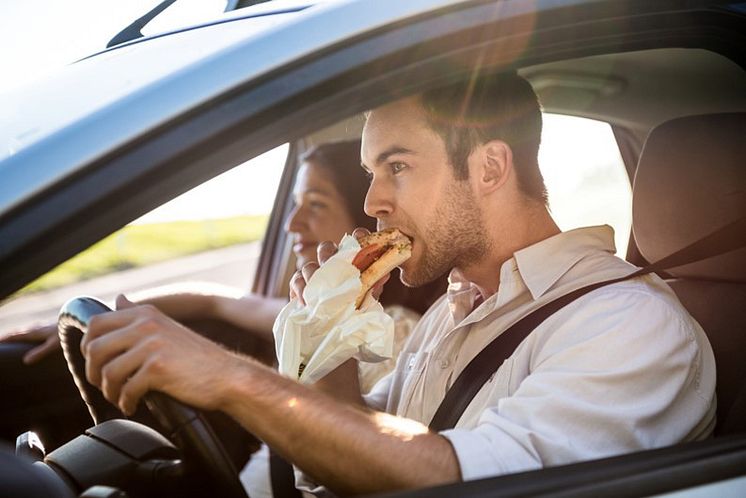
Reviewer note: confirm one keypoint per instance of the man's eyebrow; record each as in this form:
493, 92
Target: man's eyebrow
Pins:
394, 149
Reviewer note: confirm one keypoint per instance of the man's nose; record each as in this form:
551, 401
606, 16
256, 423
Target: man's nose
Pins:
379, 200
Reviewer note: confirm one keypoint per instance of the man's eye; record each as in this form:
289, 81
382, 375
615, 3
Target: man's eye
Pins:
397, 167
368, 174
316, 205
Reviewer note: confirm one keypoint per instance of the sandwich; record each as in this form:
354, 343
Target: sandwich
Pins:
380, 252
375, 256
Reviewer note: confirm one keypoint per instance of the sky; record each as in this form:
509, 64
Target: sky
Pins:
42, 36
39, 36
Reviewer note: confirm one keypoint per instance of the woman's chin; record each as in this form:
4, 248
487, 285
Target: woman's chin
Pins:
304, 257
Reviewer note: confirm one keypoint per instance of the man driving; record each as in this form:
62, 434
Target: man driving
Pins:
620, 369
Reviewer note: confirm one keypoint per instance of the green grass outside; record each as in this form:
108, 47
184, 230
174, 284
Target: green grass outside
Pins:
139, 245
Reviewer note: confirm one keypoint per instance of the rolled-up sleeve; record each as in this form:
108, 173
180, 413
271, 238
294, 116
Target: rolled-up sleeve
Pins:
378, 396
621, 374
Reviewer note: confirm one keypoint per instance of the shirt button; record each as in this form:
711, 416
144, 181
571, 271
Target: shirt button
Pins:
444, 363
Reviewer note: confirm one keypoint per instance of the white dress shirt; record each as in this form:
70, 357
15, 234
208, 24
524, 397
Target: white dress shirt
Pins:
255, 475
621, 369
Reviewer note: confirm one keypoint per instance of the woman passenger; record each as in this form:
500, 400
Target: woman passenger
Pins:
329, 195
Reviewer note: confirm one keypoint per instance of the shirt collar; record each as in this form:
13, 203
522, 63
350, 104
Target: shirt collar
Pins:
540, 265
461, 294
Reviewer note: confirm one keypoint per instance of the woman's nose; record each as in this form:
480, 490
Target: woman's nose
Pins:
294, 222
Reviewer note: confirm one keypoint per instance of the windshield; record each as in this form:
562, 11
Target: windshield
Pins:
100, 80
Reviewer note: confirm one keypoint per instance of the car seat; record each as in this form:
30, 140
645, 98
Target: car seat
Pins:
690, 181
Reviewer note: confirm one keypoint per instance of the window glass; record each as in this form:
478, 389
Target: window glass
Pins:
211, 234
585, 176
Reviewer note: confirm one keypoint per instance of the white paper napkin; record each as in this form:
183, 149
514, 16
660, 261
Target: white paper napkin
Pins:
314, 339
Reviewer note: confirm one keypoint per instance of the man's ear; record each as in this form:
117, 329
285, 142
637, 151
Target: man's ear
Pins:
494, 166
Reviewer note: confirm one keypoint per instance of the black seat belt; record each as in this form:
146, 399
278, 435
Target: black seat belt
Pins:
489, 359
282, 477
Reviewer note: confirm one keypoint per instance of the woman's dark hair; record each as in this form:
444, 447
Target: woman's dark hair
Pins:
341, 160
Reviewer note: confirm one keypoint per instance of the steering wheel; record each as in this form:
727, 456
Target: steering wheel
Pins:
186, 426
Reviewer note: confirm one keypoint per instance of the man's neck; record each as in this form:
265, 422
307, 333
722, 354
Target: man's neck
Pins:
531, 228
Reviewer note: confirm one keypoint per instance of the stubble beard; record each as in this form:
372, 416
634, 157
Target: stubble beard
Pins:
455, 237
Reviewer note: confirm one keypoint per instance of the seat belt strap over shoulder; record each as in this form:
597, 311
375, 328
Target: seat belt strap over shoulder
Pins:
487, 361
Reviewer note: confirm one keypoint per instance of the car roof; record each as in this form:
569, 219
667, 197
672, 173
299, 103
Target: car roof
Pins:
75, 115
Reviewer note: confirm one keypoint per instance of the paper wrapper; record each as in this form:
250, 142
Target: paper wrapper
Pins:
314, 339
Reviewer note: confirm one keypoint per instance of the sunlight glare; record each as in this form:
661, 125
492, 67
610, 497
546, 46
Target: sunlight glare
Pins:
585, 176
402, 428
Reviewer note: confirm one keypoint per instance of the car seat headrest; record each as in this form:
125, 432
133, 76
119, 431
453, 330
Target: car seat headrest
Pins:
690, 181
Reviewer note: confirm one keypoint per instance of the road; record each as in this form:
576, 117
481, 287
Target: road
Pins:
232, 266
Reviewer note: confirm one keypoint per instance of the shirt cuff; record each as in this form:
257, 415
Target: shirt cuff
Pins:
478, 456
307, 487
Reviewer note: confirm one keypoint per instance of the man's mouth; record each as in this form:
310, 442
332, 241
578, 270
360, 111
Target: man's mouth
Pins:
410, 237
404, 231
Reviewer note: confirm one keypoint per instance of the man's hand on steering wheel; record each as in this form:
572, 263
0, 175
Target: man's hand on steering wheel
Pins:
137, 349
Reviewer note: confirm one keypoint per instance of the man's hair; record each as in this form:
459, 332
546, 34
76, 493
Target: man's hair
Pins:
342, 161
488, 107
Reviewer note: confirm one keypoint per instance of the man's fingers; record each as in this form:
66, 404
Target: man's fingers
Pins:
297, 284
299, 280
102, 350
105, 322
308, 270
135, 388
359, 233
326, 250
115, 373
122, 302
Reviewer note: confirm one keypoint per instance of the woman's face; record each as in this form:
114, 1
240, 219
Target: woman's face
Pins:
320, 212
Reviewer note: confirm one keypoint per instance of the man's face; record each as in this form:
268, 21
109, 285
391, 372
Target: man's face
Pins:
413, 188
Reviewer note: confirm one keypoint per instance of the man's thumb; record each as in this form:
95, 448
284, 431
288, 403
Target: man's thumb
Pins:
123, 303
